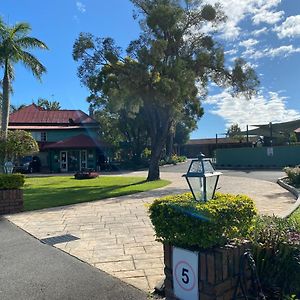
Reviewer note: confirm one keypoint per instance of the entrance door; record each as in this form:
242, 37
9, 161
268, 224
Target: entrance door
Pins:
73, 160
63, 161
83, 161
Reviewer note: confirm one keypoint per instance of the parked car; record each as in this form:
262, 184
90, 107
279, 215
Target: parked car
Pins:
28, 164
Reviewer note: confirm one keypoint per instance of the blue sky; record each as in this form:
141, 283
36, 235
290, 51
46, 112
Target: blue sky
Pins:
264, 32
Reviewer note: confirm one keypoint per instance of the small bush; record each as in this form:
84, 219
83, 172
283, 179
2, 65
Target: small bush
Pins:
276, 249
293, 175
173, 160
183, 222
11, 181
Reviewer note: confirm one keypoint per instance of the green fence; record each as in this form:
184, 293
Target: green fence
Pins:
259, 157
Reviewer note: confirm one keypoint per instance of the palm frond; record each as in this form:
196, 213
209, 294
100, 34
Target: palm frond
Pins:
31, 42
33, 64
20, 29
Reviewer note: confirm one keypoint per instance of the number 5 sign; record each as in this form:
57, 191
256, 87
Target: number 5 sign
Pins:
185, 274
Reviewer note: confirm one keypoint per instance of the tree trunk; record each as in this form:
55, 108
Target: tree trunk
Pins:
153, 172
158, 142
169, 145
5, 101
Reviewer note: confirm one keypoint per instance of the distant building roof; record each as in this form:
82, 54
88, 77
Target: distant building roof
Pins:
274, 129
79, 141
33, 114
212, 141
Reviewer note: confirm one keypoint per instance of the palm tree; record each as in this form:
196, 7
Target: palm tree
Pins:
14, 46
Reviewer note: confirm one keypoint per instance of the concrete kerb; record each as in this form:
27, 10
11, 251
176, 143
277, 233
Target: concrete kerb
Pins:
292, 190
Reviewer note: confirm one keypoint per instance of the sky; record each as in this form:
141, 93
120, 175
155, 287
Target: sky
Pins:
266, 33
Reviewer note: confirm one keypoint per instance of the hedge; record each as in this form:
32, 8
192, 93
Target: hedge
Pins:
11, 181
183, 222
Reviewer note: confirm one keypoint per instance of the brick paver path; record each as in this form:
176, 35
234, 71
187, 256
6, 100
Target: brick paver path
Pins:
116, 235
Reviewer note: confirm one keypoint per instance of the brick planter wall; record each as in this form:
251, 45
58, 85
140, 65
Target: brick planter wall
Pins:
11, 201
218, 272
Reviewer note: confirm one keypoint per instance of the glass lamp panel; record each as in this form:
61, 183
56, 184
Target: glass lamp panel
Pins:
196, 167
196, 184
210, 186
208, 167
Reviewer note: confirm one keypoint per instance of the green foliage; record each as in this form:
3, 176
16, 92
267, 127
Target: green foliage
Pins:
48, 105
11, 181
173, 160
276, 250
15, 47
234, 131
19, 143
293, 175
177, 219
146, 153
293, 138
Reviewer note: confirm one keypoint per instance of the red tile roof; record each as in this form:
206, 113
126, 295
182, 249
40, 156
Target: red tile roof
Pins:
79, 141
33, 114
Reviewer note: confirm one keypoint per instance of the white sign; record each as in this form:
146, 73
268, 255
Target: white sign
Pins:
270, 151
185, 274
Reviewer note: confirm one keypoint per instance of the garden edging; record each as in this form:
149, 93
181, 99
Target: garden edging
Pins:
11, 201
292, 190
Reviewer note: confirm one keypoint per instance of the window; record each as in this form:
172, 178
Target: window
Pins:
43, 136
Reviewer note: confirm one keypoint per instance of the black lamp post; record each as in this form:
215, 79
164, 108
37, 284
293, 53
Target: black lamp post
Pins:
202, 178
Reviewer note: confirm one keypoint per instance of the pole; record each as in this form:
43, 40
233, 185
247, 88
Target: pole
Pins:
247, 134
271, 133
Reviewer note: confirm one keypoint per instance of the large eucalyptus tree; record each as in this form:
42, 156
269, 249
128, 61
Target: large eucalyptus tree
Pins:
164, 73
15, 46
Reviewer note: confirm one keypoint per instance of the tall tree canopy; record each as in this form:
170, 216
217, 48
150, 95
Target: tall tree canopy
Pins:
14, 47
164, 73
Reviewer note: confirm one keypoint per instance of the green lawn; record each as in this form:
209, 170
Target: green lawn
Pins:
43, 192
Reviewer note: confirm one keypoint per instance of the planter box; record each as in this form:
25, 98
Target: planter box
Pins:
11, 201
218, 271
86, 175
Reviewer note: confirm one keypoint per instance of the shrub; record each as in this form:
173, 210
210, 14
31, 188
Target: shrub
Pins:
293, 175
174, 159
184, 222
11, 181
276, 249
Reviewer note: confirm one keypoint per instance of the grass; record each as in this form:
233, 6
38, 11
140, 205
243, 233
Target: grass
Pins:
44, 192
296, 214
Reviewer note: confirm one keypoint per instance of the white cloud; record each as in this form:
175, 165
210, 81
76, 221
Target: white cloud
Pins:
80, 6
237, 10
283, 51
260, 31
289, 28
230, 52
248, 43
265, 16
257, 110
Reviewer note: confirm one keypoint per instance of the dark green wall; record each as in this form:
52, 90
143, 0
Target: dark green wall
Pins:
59, 135
259, 157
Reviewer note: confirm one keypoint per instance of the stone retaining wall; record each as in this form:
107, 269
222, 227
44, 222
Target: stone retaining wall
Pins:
218, 272
11, 201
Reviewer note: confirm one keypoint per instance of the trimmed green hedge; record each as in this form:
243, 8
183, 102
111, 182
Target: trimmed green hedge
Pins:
11, 181
184, 222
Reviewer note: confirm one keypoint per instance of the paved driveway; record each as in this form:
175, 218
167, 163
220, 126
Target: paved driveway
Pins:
116, 236
32, 270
